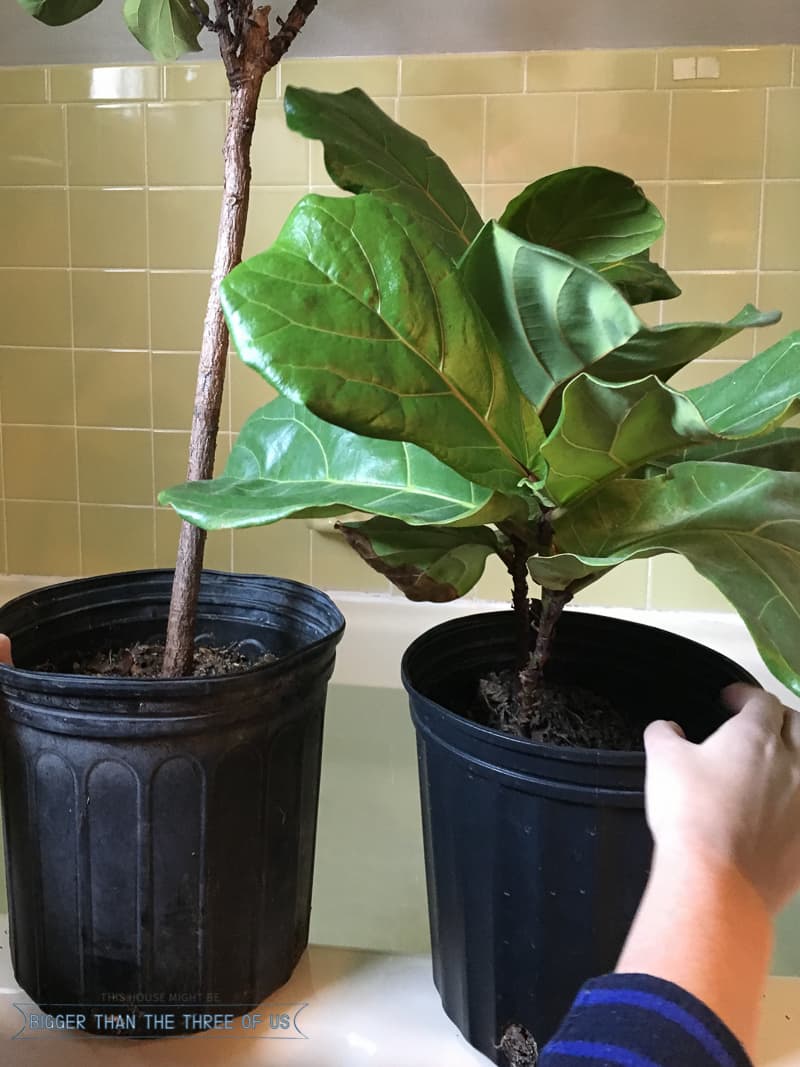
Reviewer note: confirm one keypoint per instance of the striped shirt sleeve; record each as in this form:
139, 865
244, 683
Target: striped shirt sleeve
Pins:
635, 1020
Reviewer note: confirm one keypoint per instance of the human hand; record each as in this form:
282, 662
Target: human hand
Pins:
5, 650
733, 800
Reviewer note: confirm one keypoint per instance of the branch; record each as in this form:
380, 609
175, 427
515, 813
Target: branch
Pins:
289, 29
227, 41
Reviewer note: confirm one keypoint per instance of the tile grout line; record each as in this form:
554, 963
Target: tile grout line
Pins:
670, 102
762, 204
148, 309
484, 142
70, 290
575, 128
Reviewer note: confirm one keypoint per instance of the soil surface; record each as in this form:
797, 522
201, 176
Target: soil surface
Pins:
144, 661
519, 1047
560, 715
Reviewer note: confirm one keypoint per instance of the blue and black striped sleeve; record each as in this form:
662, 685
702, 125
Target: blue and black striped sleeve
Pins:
635, 1020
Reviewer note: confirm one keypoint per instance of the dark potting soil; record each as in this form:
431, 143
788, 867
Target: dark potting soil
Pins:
144, 661
561, 715
519, 1047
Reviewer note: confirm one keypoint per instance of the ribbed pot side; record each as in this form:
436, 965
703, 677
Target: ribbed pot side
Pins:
160, 833
536, 856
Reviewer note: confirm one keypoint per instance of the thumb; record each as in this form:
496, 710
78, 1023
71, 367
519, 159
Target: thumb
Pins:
662, 732
5, 650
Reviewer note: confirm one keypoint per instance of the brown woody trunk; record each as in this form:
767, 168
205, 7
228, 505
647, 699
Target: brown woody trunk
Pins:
248, 53
211, 372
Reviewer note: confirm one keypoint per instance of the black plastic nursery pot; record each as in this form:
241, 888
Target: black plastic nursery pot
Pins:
536, 855
160, 832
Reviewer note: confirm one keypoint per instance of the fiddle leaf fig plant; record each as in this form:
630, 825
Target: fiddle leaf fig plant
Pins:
489, 389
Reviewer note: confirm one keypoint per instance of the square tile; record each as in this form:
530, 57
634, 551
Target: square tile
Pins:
676, 586
171, 454
529, 136
108, 227
32, 146
110, 308
452, 125
129, 82
334, 565
116, 539
781, 291
205, 81
42, 538
455, 74
716, 298
177, 309
23, 85
115, 467
783, 143
496, 198
279, 156
174, 382
113, 389
780, 248
589, 69
281, 550
623, 587
376, 75
718, 134
36, 386
39, 463
35, 308
106, 144
33, 223
248, 391
739, 68
269, 209
184, 143
219, 543
183, 228
624, 131
713, 226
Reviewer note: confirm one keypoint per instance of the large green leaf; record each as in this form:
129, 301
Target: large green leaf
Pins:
592, 214
58, 12
167, 28
755, 396
556, 317
355, 313
739, 526
286, 462
640, 280
430, 563
779, 450
605, 430
367, 152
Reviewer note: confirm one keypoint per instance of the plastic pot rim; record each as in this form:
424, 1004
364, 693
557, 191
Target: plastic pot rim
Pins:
499, 739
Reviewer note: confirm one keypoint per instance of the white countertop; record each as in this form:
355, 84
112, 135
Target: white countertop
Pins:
346, 1007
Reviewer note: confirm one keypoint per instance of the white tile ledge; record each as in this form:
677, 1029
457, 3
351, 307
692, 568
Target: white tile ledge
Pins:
360, 1008
380, 627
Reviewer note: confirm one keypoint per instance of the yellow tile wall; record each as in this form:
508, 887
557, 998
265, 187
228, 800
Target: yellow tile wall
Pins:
109, 191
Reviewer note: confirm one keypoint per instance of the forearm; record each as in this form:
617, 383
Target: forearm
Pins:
702, 926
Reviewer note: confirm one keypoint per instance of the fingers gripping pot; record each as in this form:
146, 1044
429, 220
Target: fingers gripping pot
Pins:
160, 832
536, 855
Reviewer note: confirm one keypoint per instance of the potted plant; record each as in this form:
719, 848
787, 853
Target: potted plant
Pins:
160, 829
489, 389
